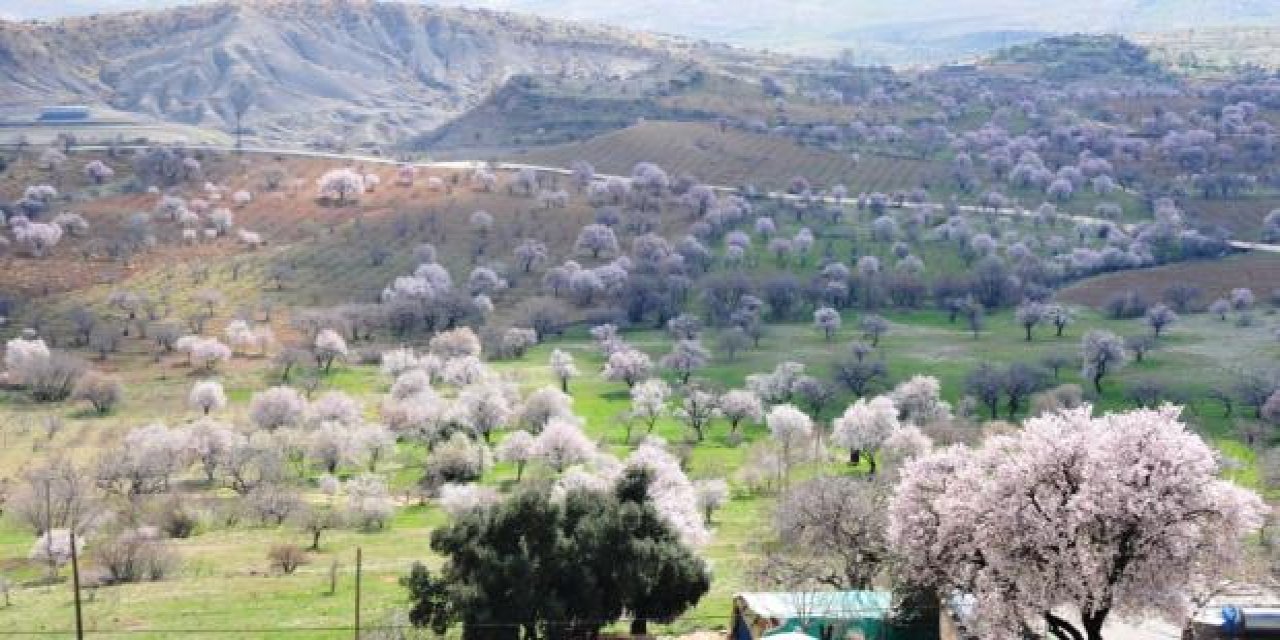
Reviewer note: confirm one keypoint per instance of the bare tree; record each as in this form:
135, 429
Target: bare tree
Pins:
1140, 346
858, 373
731, 341
873, 328
1020, 381
102, 392
55, 495
986, 383
833, 530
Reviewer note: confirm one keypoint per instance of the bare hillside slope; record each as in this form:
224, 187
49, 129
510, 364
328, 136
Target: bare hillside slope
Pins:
343, 69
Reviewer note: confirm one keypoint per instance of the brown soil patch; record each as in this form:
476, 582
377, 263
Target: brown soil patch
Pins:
1257, 271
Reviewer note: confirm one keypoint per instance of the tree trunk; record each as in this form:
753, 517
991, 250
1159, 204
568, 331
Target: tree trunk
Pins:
564, 385
1062, 629
315, 540
1092, 623
639, 626
1028, 328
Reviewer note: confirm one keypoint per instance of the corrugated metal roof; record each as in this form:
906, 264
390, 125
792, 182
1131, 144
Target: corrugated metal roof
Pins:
820, 604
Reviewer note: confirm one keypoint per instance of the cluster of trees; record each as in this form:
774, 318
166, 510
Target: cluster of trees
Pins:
559, 565
164, 171
451, 402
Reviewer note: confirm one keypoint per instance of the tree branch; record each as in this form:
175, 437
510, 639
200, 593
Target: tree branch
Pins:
1060, 628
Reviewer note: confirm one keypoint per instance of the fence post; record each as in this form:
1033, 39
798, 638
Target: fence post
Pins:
75, 583
359, 554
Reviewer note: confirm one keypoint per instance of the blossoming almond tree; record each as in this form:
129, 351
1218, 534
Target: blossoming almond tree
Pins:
1120, 514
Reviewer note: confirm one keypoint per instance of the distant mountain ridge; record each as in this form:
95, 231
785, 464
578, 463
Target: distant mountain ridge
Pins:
333, 68
872, 29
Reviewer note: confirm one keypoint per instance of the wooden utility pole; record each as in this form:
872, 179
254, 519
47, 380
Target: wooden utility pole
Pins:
358, 564
75, 584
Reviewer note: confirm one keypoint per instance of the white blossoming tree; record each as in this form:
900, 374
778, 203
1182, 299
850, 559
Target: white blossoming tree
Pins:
563, 367
207, 396
864, 426
562, 443
628, 365
790, 428
1119, 514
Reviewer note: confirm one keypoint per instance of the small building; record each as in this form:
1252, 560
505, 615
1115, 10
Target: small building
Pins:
64, 113
826, 615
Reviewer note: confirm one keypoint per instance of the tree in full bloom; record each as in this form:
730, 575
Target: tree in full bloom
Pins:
628, 365
484, 408
1159, 317
540, 406
329, 346
1123, 513
672, 493
563, 367
648, 404
596, 239
790, 427
518, 448
98, 171
828, 320
864, 426
686, 357
697, 410
562, 443
340, 185
1102, 352
455, 343
276, 407
207, 396
712, 494
740, 405
1029, 314
919, 400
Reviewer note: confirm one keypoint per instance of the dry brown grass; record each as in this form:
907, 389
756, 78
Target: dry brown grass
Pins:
1241, 216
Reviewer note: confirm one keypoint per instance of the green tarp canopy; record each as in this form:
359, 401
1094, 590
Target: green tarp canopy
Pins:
832, 615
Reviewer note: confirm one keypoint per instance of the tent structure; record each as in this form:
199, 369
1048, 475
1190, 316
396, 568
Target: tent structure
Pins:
820, 615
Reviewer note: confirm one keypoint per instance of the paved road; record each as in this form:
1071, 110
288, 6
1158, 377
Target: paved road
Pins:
515, 166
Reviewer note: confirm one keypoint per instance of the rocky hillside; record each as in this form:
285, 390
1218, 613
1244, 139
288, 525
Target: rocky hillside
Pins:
349, 71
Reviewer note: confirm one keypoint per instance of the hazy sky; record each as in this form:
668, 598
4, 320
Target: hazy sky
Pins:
818, 24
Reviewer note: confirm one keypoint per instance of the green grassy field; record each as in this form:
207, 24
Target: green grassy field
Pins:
225, 583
